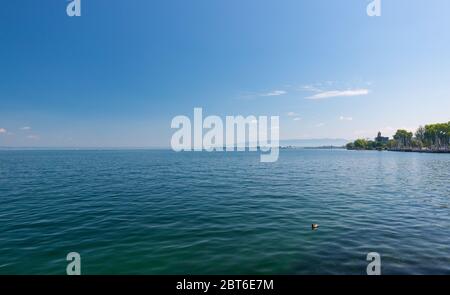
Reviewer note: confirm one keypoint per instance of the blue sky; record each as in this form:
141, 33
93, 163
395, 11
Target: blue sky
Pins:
117, 75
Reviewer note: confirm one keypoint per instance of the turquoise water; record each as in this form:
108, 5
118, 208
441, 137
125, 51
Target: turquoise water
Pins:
160, 212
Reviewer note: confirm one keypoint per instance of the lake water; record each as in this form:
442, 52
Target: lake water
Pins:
161, 212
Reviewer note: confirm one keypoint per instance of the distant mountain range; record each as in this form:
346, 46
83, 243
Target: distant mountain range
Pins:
302, 143
314, 142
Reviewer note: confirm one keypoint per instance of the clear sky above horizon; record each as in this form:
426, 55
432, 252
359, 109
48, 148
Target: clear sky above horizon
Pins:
117, 75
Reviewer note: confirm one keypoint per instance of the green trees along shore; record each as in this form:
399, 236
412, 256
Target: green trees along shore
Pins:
431, 138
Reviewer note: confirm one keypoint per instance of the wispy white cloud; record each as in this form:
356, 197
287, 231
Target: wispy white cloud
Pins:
339, 93
253, 95
274, 93
320, 125
25, 128
343, 118
33, 136
294, 115
2, 130
312, 88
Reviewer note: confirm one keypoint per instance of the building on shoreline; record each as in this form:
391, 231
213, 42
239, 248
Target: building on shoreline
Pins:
381, 139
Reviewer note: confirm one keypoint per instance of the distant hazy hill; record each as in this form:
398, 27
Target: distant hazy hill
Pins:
314, 142
320, 142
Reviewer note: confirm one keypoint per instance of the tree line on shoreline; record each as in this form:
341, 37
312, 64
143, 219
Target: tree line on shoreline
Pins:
432, 137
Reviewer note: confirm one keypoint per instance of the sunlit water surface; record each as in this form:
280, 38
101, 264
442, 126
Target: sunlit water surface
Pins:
161, 212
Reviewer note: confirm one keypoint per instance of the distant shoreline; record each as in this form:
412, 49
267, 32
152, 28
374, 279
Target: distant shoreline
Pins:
446, 151
432, 138
327, 147
423, 151
81, 148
